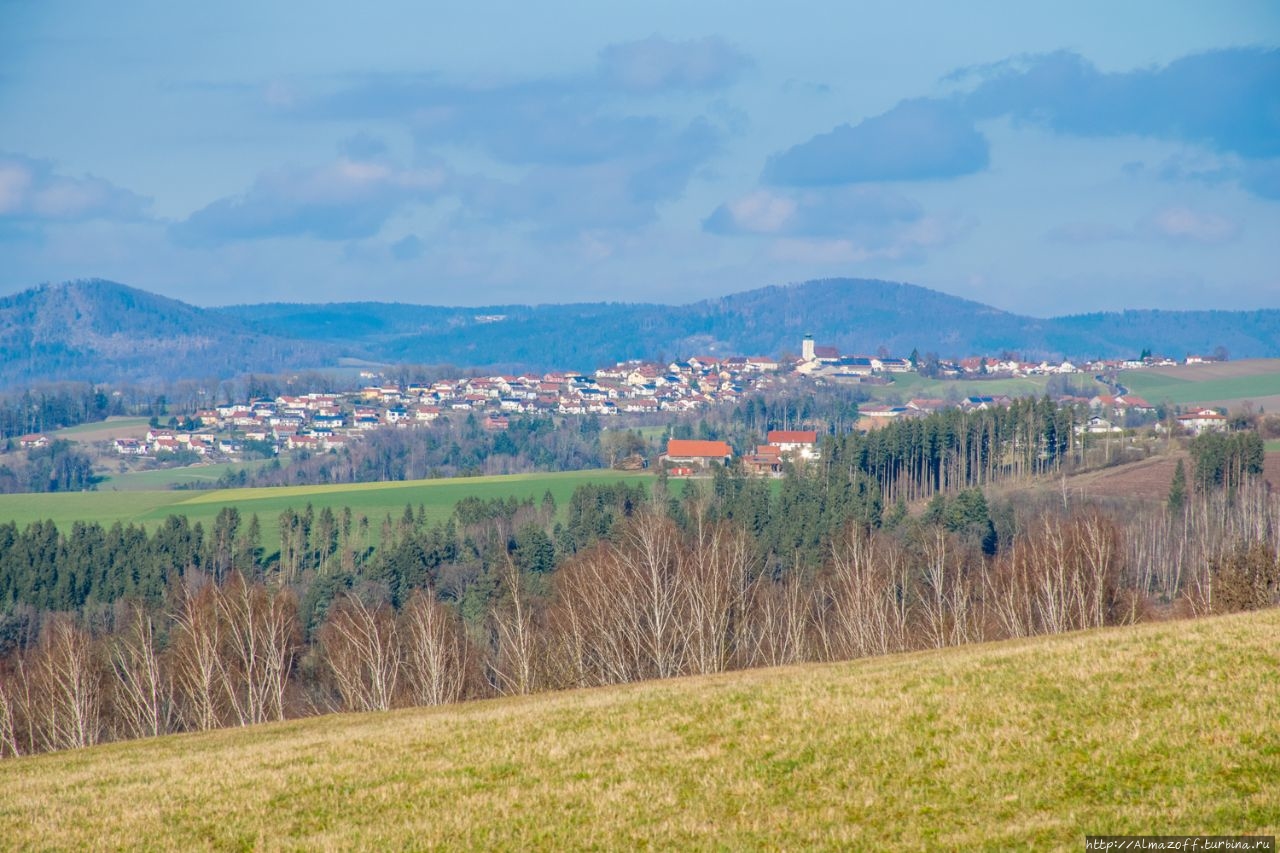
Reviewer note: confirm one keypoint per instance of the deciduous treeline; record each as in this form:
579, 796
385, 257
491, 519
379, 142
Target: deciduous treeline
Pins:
194, 630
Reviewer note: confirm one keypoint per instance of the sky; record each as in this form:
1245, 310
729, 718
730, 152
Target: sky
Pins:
1043, 158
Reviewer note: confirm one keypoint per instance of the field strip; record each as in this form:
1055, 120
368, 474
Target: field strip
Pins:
226, 496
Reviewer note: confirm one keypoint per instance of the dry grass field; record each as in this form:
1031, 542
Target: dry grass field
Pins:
1169, 728
1150, 479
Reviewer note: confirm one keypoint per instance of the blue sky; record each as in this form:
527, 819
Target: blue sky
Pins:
1044, 160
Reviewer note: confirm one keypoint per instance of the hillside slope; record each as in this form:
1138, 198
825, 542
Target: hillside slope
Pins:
98, 331
1162, 728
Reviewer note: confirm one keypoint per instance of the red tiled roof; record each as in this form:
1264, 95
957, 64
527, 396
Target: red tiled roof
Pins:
792, 436
682, 447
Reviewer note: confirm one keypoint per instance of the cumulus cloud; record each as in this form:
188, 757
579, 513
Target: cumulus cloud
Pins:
836, 225
1227, 99
340, 200
916, 140
904, 242
824, 212
408, 248
1170, 224
656, 64
1180, 224
31, 191
584, 158
622, 192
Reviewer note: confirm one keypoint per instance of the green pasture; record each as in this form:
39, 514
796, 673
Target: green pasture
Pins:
168, 478
1159, 388
373, 500
99, 426
908, 385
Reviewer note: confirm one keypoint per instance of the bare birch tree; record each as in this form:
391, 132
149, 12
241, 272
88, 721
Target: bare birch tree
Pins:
361, 645
144, 692
68, 706
434, 651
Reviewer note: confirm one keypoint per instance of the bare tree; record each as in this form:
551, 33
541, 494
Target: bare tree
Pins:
648, 557
598, 620
513, 666
866, 594
361, 646
779, 622
144, 693
8, 724
713, 581
68, 707
435, 651
261, 641
197, 654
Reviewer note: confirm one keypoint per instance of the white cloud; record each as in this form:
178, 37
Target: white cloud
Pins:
30, 190
345, 198
1181, 224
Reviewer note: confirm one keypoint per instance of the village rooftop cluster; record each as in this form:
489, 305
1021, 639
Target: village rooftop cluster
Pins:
324, 420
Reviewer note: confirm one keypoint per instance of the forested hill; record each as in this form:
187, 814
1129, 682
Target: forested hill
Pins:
99, 331
856, 315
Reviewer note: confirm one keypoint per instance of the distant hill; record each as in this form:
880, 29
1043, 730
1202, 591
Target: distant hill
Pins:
102, 331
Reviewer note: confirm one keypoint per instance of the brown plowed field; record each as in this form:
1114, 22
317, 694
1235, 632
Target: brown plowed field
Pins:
1149, 479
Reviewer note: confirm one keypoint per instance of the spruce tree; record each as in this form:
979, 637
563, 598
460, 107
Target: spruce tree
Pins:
1178, 489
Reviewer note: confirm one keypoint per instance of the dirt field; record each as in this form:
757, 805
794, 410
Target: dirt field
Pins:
1149, 479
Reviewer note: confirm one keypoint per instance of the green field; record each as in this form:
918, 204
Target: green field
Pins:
1159, 387
374, 500
99, 426
908, 385
167, 478
1167, 728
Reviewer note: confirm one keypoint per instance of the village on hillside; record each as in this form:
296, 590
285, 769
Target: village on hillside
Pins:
322, 420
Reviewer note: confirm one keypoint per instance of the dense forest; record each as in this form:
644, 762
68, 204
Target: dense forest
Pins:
123, 632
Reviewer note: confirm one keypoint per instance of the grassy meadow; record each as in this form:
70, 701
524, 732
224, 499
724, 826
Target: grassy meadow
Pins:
1254, 379
908, 385
1170, 728
374, 500
169, 478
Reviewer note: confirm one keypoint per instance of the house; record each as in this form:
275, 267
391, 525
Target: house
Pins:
895, 365
1203, 420
766, 460
871, 417
31, 442
798, 442
130, 447
1098, 425
926, 405
681, 451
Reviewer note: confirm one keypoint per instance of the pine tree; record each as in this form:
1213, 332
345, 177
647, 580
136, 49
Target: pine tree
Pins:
1178, 489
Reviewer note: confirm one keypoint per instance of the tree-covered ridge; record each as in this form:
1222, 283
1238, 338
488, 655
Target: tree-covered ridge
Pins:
101, 331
